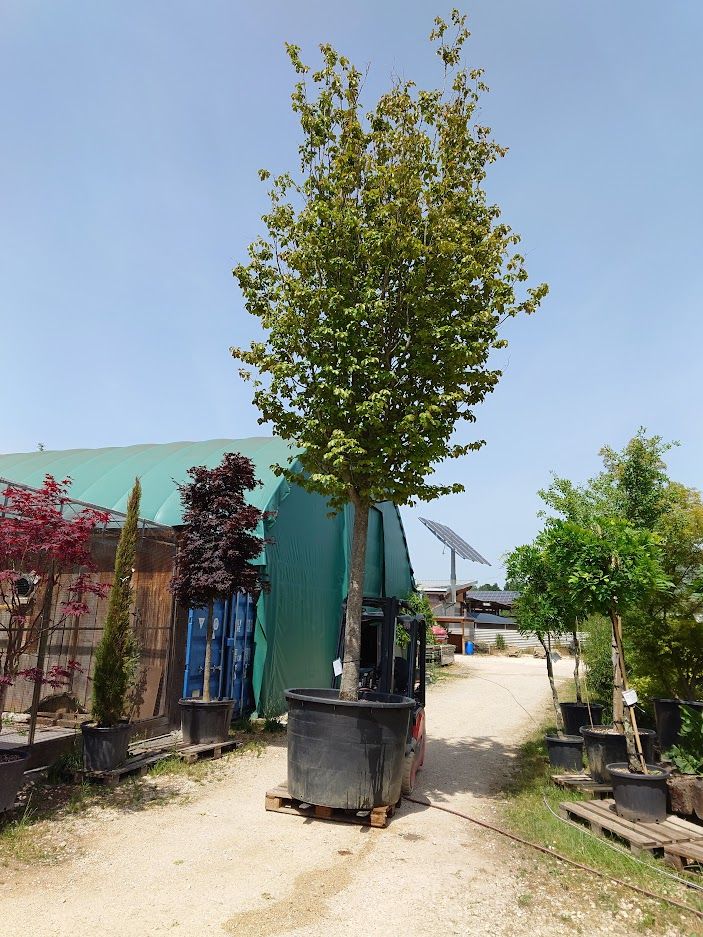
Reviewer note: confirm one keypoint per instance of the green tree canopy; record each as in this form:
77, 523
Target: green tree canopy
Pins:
607, 567
381, 283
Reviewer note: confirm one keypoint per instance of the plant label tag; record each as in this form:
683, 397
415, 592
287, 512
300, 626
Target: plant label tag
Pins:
630, 697
337, 667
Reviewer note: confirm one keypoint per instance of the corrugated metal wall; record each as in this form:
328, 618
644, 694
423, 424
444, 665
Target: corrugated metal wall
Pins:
511, 637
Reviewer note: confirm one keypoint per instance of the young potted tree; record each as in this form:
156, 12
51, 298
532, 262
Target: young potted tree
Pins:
609, 567
106, 735
45, 575
213, 563
382, 285
541, 610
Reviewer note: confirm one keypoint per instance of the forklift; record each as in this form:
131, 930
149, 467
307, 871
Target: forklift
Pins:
386, 667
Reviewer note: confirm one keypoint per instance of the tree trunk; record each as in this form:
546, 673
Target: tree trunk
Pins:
207, 666
577, 665
552, 684
349, 688
618, 677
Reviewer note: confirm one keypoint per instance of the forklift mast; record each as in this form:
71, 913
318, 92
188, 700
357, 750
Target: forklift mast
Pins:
380, 670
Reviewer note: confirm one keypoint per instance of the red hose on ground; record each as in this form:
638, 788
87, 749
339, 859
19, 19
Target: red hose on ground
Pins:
556, 855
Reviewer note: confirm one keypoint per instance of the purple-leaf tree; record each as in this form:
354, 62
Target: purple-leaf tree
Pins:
218, 541
45, 575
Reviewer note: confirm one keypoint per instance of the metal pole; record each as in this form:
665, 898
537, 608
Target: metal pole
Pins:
452, 578
41, 652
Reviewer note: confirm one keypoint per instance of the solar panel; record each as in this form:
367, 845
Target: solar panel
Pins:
454, 541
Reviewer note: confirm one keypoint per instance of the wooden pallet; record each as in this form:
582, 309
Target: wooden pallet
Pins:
139, 762
192, 753
676, 839
583, 783
685, 856
279, 801
133, 767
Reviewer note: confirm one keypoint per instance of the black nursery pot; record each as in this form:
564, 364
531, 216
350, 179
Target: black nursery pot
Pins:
346, 754
12, 767
105, 747
205, 723
667, 713
576, 715
565, 751
605, 746
640, 797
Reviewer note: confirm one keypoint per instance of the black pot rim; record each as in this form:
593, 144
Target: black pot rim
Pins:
621, 770
323, 697
585, 705
609, 730
90, 726
676, 699
21, 753
565, 739
213, 703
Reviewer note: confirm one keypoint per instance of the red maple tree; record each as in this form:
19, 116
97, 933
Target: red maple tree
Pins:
45, 573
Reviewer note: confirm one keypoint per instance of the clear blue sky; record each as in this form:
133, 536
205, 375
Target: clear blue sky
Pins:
132, 133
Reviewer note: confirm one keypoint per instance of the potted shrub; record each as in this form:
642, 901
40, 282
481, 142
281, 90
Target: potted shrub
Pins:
541, 610
609, 566
373, 269
686, 781
214, 558
41, 547
669, 720
106, 735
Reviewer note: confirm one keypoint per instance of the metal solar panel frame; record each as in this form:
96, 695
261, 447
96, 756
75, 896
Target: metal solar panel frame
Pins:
452, 540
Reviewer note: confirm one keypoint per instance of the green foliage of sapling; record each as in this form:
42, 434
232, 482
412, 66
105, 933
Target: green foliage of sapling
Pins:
687, 754
117, 654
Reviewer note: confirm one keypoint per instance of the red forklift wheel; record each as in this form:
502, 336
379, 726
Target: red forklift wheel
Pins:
419, 736
410, 766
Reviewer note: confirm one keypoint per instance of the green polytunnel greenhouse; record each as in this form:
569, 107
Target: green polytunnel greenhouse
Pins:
295, 622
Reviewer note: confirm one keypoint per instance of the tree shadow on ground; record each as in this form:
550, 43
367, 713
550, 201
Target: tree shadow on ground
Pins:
481, 766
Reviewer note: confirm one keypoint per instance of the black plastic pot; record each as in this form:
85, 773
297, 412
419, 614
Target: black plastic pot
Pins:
106, 747
576, 715
667, 713
565, 751
205, 723
13, 764
640, 796
608, 747
346, 754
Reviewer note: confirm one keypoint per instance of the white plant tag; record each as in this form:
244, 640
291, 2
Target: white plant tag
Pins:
337, 667
630, 697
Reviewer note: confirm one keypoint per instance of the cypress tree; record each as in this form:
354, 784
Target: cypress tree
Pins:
117, 653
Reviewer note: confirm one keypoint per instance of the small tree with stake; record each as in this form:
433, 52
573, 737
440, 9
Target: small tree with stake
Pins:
538, 609
382, 284
609, 567
218, 541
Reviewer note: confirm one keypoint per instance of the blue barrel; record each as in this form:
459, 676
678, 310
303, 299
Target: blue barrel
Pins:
468, 647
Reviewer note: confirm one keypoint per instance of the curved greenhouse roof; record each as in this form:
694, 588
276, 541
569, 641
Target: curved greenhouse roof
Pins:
105, 476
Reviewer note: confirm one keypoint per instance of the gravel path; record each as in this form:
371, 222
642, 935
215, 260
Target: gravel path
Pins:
219, 864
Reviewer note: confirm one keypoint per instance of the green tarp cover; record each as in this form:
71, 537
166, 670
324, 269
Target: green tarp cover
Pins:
306, 562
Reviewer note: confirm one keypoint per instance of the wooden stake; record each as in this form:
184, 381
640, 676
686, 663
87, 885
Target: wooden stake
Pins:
617, 632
